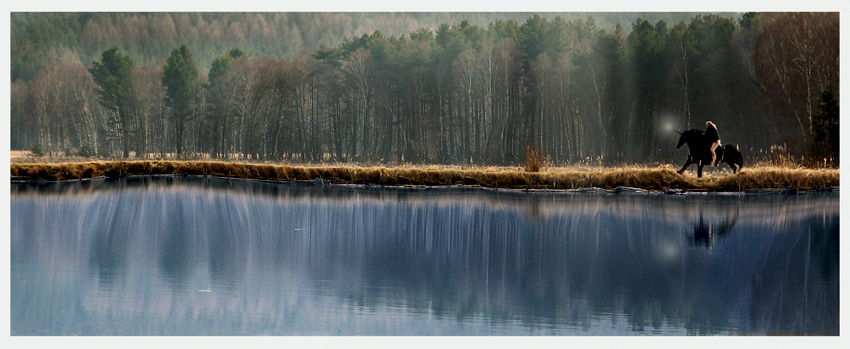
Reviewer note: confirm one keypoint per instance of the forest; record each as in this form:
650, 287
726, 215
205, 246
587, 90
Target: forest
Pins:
431, 88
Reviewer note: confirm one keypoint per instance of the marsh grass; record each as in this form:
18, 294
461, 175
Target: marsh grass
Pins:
662, 177
533, 159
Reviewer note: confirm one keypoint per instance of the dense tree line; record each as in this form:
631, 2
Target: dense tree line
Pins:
459, 93
39, 39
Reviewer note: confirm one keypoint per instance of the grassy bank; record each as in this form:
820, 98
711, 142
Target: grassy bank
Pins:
649, 178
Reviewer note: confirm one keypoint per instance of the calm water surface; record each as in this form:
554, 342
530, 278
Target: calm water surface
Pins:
203, 256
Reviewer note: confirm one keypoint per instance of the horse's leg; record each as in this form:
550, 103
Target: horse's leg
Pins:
686, 165
699, 169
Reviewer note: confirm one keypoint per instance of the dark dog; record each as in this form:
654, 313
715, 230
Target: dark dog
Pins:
731, 155
701, 147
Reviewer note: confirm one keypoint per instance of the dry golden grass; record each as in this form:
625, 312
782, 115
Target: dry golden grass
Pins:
533, 160
650, 178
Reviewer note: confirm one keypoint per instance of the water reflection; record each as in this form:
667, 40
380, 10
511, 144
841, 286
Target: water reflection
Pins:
169, 255
715, 227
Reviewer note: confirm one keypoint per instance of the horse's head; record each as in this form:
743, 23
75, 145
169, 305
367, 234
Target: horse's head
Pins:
687, 137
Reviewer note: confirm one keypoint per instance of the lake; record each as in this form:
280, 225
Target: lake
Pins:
174, 255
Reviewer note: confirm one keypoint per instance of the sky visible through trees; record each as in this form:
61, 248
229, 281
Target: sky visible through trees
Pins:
443, 88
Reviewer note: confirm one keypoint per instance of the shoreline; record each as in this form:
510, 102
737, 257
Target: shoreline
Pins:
660, 178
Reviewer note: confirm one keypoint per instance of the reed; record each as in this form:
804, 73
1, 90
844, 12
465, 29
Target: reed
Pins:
662, 177
533, 160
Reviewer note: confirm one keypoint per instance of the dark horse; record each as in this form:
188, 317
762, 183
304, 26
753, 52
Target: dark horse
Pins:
729, 154
701, 146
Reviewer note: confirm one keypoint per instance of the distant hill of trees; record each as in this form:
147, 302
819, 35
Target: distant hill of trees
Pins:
423, 87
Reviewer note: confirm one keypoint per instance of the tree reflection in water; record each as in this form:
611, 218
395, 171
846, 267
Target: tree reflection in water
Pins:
302, 259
